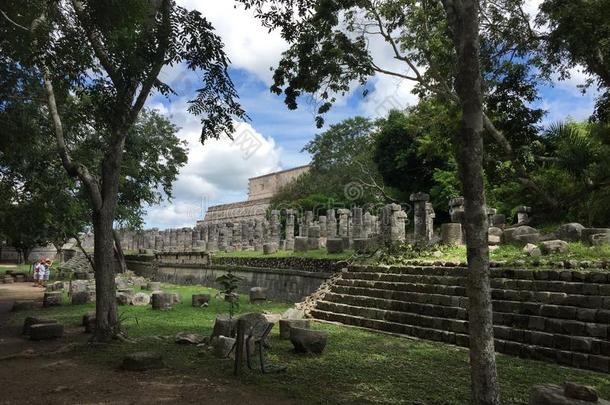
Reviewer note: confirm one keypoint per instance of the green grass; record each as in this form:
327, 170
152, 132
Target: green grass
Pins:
25, 268
511, 254
357, 367
310, 254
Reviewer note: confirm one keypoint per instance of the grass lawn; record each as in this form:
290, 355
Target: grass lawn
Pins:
14, 267
358, 366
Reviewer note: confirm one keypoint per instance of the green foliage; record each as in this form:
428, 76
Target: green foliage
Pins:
342, 170
230, 283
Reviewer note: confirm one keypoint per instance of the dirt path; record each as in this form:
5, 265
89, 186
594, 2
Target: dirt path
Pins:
32, 378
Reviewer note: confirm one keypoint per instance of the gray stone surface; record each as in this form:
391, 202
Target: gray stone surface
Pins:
287, 324
554, 246
140, 299
221, 346
307, 340
187, 338
82, 297
451, 233
551, 394
142, 361
224, 326
258, 295
30, 321
269, 248
334, 245
301, 244
571, 232
24, 305
532, 250
198, 300
521, 235
162, 301
52, 299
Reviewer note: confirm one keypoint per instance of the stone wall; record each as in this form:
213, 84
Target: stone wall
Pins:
266, 186
287, 279
551, 315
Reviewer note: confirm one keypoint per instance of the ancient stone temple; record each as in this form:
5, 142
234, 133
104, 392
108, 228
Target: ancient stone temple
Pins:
260, 191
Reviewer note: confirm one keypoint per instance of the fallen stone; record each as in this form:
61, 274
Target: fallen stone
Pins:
46, 331
23, 305
551, 394
224, 326
221, 346
123, 298
307, 340
8, 280
185, 338
521, 235
83, 297
140, 299
571, 232
287, 324
363, 245
532, 250
55, 286
598, 236
493, 240
581, 392
19, 278
52, 299
258, 295
142, 361
30, 321
199, 300
554, 246
162, 301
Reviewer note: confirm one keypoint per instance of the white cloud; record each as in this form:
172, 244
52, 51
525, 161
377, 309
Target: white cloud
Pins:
216, 172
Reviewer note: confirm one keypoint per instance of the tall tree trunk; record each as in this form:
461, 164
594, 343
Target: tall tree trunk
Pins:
107, 324
463, 18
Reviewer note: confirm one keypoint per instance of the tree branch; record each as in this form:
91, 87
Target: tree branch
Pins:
13, 22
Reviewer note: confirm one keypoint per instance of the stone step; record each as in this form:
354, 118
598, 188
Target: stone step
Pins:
599, 277
599, 362
529, 308
407, 318
452, 318
578, 288
545, 297
427, 309
407, 278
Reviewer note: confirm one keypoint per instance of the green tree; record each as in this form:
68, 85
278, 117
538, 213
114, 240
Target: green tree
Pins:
329, 51
109, 54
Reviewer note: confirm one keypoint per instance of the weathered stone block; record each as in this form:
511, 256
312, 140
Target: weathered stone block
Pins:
301, 244
334, 245
83, 297
162, 301
287, 324
140, 299
554, 246
31, 321
451, 234
307, 340
571, 232
258, 295
198, 300
269, 248
46, 331
52, 299
23, 305
142, 361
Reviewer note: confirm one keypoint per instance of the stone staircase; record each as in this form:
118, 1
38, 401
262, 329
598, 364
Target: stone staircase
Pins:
558, 316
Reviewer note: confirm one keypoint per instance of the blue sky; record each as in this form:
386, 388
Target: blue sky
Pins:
217, 172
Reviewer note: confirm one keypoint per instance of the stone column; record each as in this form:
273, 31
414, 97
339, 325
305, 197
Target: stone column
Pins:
430, 215
323, 226
357, 223
314, 237
367, 225
456, 209
523, 214
331, 224
420, 219
289, 230
343, 222
275, 228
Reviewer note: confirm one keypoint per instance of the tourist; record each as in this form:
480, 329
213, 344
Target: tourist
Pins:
46, 266
39, 270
